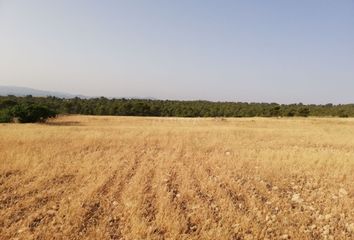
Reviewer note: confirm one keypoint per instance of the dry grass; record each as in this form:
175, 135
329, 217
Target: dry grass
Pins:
153, 178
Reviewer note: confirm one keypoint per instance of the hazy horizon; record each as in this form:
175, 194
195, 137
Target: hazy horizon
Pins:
274, 51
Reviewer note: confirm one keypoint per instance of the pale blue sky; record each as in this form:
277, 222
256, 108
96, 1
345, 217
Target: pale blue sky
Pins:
271, 51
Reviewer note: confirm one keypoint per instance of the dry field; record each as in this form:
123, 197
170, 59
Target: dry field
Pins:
82, 177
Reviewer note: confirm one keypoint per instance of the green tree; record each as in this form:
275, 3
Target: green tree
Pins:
31, 113
5, 116
304, 112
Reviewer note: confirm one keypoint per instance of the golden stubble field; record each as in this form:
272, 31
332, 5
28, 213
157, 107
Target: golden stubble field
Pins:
81, 177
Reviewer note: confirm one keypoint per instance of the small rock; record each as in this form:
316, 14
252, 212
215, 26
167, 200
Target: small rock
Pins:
193, 227
236, 227
22, 230
285, 236
313, 226
350, 228
115, 203
296, 198
325, 230
51, 212
311, 208
334, 197
342, 192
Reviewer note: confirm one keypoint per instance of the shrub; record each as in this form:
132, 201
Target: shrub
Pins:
290, 113
5, 116
342, 114
304, 112
31, 113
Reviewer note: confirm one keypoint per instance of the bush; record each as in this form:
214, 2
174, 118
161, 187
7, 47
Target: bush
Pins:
290, 113
5, 116
304, 112
31, 113
342, 114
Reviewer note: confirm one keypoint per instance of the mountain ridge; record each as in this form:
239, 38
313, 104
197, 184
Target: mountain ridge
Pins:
24, 91
18, 91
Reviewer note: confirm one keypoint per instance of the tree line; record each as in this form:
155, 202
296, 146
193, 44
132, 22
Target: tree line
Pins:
35, 109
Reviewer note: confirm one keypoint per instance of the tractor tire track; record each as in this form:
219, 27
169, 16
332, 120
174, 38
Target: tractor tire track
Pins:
100, 204
115, 224
250, 196
238, 200
14, 199
8, 175
93, 208
149, 209
180, 204
39, 199
207, 199
149, 206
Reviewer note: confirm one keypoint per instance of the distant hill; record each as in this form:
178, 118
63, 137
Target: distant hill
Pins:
24, 91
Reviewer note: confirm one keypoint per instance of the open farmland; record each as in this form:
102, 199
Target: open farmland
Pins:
81, 177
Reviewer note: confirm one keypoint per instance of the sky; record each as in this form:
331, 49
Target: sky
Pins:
255, 50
